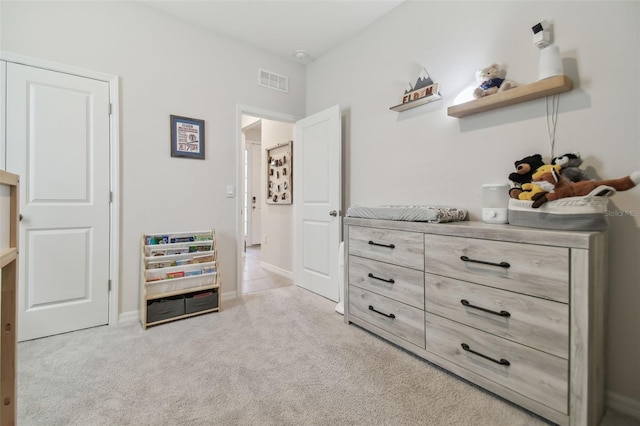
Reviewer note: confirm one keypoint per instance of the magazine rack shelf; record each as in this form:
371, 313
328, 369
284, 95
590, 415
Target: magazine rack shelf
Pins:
9, 269
179, 276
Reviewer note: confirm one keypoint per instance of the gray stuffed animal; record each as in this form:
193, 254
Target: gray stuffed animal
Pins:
570, 166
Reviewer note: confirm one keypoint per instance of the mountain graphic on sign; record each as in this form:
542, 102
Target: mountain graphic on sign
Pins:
423, 81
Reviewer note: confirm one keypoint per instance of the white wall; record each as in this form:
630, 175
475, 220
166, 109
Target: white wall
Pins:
165, 67
277, 219
424, 156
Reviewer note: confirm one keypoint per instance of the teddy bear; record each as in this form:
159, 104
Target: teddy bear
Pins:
556, 186
491, 80
570, 166
523, 174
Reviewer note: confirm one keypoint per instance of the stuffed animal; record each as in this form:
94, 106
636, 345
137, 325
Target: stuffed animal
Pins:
529, 190
570, 167
556, 186
491, 80
525, 169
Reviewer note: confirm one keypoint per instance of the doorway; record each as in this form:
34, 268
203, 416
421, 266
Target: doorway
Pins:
265, 230
255, 277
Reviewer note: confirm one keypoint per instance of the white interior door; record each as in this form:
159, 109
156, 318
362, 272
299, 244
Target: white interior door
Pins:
317, 168
58, 142
255, 195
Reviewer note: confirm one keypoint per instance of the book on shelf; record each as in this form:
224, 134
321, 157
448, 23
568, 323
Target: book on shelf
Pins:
199, 247
157, 251
202, 258
175, 239
155, 264
193, 273
208, 270
203, 237
177, 274
167, 251
156, 239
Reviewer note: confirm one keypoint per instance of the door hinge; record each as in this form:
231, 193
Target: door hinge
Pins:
111, 196
110, 109
109, 285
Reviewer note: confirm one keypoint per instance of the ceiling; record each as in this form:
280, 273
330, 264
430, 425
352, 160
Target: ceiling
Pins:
281, 27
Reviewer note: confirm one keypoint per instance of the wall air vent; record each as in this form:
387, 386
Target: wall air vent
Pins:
273, 81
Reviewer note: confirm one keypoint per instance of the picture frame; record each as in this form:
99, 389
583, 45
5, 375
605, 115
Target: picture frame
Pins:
279, 174
187, 137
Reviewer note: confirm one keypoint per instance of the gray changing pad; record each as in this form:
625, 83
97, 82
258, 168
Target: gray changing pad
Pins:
435, 214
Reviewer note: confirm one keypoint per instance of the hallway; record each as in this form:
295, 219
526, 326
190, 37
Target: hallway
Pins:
255, 277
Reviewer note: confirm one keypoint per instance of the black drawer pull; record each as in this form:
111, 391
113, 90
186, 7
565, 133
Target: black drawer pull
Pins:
469, 305
382, 245
390, 280
371, 308
502, 361
484, 262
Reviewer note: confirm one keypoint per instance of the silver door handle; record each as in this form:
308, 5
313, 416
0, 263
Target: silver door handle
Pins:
333, 213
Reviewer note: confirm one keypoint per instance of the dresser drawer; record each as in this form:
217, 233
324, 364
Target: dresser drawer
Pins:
534, 374
398, 247
397, 318
536, 270
539, 323
395, 282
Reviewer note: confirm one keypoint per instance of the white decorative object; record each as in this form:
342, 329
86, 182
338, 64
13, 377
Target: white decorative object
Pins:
550, 62
495, 202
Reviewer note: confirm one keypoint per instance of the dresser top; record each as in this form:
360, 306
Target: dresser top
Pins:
487, 231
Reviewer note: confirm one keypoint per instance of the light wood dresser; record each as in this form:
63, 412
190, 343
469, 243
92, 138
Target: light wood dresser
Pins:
517, 311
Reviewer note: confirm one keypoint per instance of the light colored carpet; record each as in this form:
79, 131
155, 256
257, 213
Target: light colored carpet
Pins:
276, 357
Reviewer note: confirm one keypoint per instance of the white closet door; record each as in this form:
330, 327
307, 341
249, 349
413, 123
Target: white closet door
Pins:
58, 142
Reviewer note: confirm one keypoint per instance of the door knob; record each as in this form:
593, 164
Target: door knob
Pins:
333, 213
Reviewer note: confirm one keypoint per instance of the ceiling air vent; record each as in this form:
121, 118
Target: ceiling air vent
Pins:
273, 81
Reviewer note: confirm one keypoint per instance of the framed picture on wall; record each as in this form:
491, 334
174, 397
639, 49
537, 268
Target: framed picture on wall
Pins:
187, 137
279, 167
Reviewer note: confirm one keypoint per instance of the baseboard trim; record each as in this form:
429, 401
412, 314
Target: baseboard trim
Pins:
230, 295
128, 317
623, 405
277, 270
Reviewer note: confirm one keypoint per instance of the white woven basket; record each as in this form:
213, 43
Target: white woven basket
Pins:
585, 213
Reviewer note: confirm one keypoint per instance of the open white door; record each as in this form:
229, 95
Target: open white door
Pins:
317, 200
255, 193
58, 142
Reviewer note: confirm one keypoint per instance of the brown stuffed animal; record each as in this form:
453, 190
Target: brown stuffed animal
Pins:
557, 186
529, 190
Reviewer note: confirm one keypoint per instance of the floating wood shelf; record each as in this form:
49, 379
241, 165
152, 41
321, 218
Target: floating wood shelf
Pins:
415, 103
539, 89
